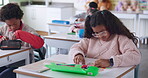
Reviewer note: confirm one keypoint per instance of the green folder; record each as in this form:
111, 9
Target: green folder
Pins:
73, 33
74, 68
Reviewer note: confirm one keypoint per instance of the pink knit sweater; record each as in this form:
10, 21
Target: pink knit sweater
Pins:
122, 49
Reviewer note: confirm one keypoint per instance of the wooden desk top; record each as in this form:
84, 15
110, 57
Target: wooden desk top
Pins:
32, 70
59, 36
42, 33
35, 69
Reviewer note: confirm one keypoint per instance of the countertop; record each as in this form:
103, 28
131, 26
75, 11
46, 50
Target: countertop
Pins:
125, 12
54, 5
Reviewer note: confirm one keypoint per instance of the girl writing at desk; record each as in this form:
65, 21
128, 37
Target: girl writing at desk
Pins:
107, 40
11, 14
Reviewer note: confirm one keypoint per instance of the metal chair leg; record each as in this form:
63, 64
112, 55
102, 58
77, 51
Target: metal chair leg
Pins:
136, 74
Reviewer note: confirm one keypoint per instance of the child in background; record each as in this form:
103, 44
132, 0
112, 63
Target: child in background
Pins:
77, 21
88, 2
107, 40
14, 29
104, 5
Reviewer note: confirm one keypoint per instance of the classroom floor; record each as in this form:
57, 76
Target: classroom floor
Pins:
143, 69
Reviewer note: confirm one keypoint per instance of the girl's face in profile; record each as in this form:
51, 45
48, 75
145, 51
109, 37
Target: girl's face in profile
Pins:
13, 24
101, 33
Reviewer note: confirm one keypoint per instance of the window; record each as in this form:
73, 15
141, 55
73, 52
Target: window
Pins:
1, 2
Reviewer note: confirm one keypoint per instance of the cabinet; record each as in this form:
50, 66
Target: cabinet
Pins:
38, 16
35, 17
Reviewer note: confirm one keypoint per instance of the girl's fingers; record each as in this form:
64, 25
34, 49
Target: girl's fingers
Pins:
79, 60
4, 38
102, 63
97, 63
83, 62
76, 60
13, 37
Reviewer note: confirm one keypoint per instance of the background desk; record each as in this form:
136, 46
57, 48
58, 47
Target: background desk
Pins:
30, 71
58, 28
11, 56
60, 41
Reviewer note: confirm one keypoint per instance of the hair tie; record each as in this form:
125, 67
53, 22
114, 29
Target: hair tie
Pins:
92, 8
102, 12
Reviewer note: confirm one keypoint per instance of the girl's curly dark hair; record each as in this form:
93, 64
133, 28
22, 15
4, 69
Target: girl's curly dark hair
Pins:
112, 24
10, 11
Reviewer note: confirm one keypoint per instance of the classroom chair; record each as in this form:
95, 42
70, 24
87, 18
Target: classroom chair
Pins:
136, 70
39, 54
144, 40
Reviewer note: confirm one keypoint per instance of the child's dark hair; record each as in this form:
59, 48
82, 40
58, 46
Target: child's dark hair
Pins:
112, 24
9, 11
93, 5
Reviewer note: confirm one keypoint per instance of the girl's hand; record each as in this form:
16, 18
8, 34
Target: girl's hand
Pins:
4, 38
81, 19
75, 30
79, 59
13, 37
102, 63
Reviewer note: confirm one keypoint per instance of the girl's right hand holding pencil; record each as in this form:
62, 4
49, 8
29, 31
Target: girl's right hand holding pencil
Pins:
102, 63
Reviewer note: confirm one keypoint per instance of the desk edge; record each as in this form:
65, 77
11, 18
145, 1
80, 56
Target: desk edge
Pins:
29, 74
62, 39
126, 72
15, 53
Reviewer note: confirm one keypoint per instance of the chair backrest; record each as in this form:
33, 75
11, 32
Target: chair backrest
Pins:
137, 43
41, 54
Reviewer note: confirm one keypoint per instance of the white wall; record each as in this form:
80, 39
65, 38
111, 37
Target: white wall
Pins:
66, 1
6, 1
63, 1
